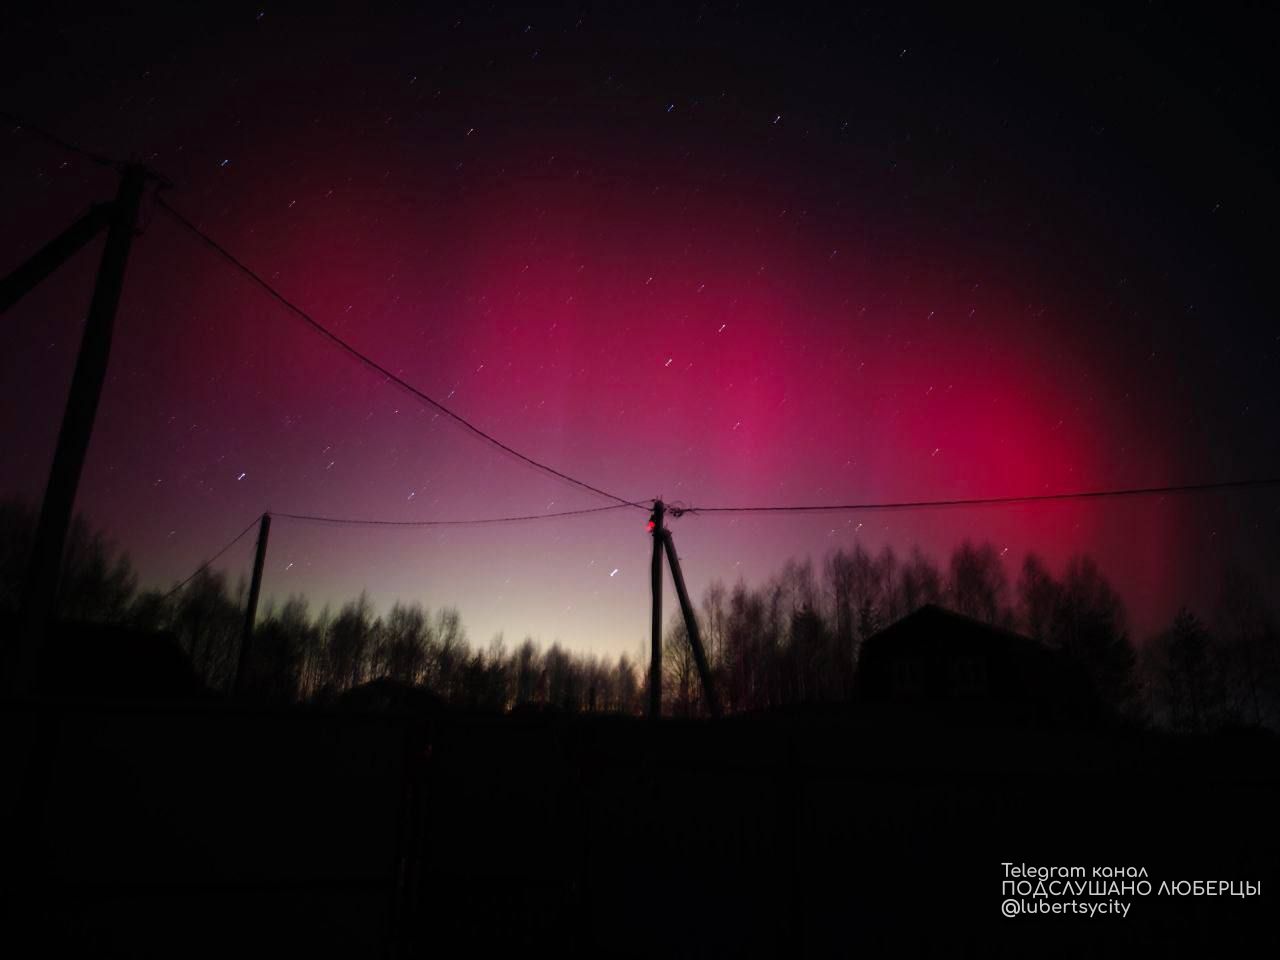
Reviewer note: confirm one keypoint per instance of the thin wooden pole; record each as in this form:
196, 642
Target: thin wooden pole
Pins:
655, 582
251, 610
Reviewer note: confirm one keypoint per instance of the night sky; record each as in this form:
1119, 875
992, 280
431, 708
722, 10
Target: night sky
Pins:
695, 252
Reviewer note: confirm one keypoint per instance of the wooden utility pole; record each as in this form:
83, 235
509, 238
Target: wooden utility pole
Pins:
655, 582
662, 540
40, 595
251, 610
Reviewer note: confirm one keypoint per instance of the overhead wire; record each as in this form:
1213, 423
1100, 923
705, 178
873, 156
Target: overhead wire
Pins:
356, 521
673, 510
374, 365
360, 521
215, 558
988, 501
98, 158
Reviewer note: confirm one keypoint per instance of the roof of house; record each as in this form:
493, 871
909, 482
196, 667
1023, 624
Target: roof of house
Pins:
937, 626
1002, 666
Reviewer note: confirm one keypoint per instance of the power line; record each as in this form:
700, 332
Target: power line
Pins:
353, 521
100, 159
676, 511
374, 365
57, 141
214, 559
991, 501
368, 361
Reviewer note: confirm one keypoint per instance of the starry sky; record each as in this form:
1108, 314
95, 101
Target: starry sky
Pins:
702, 252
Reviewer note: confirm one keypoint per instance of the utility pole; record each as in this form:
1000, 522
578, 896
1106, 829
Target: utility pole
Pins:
662, 540
251, 610
41, 589
655, 582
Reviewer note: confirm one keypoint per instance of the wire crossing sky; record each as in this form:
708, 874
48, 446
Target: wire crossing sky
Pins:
212, 560
992, 501
714, 257
358, 521
374, 365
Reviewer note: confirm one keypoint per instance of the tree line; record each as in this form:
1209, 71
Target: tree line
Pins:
797, 637
794, 639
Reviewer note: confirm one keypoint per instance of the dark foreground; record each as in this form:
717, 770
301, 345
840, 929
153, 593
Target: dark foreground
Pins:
212, 830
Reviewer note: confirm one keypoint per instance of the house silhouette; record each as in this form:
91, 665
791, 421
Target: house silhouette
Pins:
935, 659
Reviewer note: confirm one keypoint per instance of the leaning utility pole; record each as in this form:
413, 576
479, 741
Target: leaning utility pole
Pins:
41, 588
662, 540
251, 610
691, 625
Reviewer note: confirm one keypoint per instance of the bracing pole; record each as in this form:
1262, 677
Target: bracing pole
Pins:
691, 625
53, 255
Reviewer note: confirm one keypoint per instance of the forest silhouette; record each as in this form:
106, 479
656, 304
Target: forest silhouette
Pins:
793, 640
